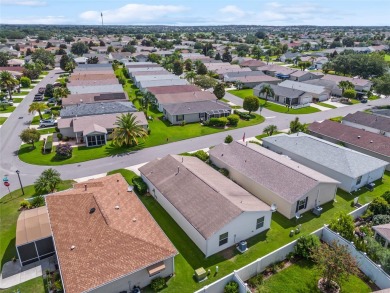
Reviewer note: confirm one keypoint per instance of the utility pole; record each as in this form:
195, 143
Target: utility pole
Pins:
101, 14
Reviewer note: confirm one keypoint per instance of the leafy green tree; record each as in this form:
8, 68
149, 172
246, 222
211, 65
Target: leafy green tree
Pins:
70, 66
44, 56
219, 91
177, 67
60, 92
49, 90
202, 69
335, 263
93, 60
296, 126
48, 181
8, 82
129, 48
79, 48
261, 35
349, 94
270, 129
153, 57
306, 245
251, 103
346, 85
228, 139
190, 75
386, 196
304, 64
382, 85
25, 82
226, 56
218, 56
37, 107
379, 206
110, 49
64, 60
30, 135
343, 224
128, 131
204, 81
267, 91
188, 65
4, 57
257, 52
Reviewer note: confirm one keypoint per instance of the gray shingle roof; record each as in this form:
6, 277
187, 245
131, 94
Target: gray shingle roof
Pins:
111, 88
165, 82
195, 107
330, 155
309, 88
207, 199
282, 91
97, 109
369, 120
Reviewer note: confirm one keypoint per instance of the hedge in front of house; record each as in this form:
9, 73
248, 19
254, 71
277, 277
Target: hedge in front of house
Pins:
218, 122
139, 185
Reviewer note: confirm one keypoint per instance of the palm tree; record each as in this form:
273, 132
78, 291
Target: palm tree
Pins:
70, 66
345, 85
47, 181
190, 75
60, 92
297, 59
147, 98
270, 129
267, 91
296, 126
128, 131
8, 82
39, 107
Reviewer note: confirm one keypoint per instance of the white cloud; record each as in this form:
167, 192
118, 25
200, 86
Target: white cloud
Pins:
233, 11
23, 2
133, 13
36, 20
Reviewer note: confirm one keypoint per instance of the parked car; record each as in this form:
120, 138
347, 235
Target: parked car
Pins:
38, 98
47, 122
47, 111
363, 101
52, 100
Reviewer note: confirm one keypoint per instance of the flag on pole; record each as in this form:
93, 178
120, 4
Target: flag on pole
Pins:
243, 137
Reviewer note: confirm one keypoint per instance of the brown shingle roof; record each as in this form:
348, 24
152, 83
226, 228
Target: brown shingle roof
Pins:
206, 199
94, 98
355, 81
369, 120
384, 230
109, 243
86, 75
185, 97
252, 63
93, 82
367, 140
266, 168
173, 89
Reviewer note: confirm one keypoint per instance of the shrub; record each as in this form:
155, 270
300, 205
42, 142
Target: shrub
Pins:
38, 201
139, 185
183, 123
25, 82
65, 138
243, 115
202, 155
386, 196
218, 122
379, 206
158, 284
306, 245
25, 204
344, 225
224, 172
256, 281
59, 136
64, 150
380, 219
231, 287
48, 144
228, 139
233, 119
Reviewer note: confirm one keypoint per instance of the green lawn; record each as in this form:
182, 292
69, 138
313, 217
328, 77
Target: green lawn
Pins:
354, 101
161, 133
17, 100
191, 257
22, 93
387, 57
303, 277
2, 120
337, 119
36, 119
127, 174
32, 286
273, 106
373, 97
130, 88
8, 109
9, 213
47, 130
326, 105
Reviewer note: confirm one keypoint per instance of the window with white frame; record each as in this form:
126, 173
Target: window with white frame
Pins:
223, 238
260, 223
301, 204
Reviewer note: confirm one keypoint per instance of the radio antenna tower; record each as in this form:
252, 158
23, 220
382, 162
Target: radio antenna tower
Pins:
101, 14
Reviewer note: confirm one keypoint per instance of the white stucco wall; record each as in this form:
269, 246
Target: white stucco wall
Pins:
366, 128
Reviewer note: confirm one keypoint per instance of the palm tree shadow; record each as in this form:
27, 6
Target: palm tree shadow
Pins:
115, 151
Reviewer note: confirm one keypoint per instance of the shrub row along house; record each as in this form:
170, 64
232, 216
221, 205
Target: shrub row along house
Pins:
89, 113
179, 101
104, 238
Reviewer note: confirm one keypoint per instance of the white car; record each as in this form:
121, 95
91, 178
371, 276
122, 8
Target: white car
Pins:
47, 122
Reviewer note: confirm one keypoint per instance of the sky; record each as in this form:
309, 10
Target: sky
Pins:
200, 12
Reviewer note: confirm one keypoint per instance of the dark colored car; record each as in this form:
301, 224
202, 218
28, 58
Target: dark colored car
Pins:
38, 98
363, 101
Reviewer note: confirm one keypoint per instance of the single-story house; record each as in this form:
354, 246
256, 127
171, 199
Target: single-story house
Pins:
92, 75
351, 168
223, 68
132, 65
252, 64
382, 234
329, 85
232, 76
80, 110
15, 62
85, 83
34, 239
273, 178
289, 55
366, 142
137, 74
317, 93
212, 210
361, 85
278, 71
253, 81
197, 111
176, 98
109, 88
94, 98
105, 238
156, 77
81, 60
301, 75
381, 112
369, 122
132, 70
284, 95
94, 67
173, 89
143, 85
94, 130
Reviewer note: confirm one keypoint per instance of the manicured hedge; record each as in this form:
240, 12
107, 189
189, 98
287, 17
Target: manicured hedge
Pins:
48, 145
139, 185
242, 115
218, 122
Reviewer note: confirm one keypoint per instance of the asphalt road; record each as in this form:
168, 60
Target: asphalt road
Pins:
10, 141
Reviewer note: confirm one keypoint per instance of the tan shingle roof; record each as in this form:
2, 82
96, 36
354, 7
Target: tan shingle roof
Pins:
207, 199
384, 230
185, 97
108, 243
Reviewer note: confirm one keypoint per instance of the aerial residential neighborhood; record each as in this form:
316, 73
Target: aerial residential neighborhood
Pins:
184, 147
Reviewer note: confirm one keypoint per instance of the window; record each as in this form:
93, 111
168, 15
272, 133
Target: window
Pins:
359, 180
260, 223
95, 140
179, 117
201, 115
301, 204
223, 238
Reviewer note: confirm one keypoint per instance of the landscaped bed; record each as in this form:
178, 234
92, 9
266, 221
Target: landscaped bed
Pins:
36, 285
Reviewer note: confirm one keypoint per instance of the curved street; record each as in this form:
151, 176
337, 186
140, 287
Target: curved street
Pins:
20, 119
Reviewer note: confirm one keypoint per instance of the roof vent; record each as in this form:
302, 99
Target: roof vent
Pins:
359, 136
371, 141
72, 247
92, 210
134, 219
117, 207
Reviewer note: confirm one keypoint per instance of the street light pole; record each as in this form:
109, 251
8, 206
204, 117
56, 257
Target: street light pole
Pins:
20, 181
